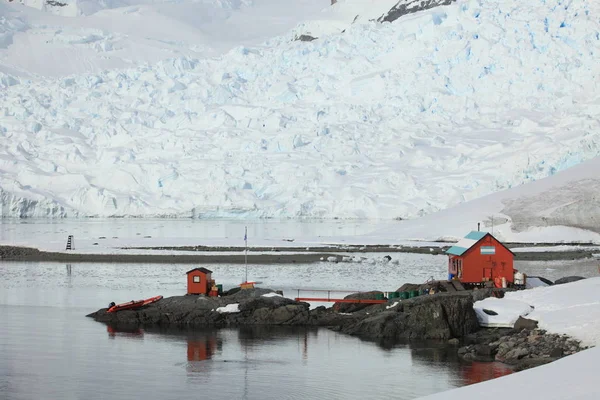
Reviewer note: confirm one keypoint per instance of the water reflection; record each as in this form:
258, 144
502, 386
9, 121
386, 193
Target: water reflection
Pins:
124, 331
476, 372
246, 347
202, 348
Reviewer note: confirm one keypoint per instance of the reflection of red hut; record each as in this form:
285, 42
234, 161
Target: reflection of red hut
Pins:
201, 349
198, 281
478, 372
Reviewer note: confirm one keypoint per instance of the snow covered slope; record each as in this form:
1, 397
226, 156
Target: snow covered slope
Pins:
561, 208
381, 121
125, 33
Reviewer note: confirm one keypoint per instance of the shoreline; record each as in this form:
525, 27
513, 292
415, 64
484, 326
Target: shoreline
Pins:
301, 255
448, 318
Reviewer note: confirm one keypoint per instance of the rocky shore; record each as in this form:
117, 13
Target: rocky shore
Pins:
444, 316
524, 347
256, 255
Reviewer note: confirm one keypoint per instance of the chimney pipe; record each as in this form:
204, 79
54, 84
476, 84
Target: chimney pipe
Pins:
479, 223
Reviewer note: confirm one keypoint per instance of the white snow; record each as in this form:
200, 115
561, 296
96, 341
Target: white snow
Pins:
560, 208
508, 311
229, 308
381, 121
273, 294
573, 377
572, 308
93, 36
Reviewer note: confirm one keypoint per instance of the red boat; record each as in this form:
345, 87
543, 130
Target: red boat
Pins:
132, 305
151, 300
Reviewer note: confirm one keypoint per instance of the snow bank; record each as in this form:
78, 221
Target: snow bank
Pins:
273, 294
572, 308
555, 209
506, 312
573, 377
229, 308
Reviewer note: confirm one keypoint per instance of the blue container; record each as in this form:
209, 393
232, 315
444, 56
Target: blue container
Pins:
450, 277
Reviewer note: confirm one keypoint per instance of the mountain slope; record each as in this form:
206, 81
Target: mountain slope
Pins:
124, 34
381, 121
561, 208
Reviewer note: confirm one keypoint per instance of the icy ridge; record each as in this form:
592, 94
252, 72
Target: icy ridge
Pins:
74, 8
382, 121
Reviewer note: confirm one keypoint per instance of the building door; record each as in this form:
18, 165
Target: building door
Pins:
487, 273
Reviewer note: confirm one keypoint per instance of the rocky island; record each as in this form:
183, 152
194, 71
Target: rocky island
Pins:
445, 317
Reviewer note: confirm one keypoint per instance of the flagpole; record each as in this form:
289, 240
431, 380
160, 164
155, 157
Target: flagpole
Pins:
246, 252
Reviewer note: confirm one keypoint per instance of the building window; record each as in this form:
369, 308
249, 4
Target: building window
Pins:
196, 279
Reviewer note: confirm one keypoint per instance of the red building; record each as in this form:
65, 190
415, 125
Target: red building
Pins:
480, 257
199, 281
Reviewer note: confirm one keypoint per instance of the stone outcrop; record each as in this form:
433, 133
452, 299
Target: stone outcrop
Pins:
523, 348
202, 311
440, 316
405, 7
568, 279
354, 307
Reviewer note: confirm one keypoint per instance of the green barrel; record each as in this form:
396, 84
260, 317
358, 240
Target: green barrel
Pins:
404, 295
220, 288
393, 295
414, 293
378, 296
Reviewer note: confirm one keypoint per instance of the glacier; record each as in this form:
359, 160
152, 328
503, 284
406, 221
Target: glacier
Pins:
376, 120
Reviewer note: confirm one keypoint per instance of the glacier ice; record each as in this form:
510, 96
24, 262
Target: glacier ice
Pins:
381, 121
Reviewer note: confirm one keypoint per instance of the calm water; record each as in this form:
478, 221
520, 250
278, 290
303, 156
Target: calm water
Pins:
31, 230
49, 350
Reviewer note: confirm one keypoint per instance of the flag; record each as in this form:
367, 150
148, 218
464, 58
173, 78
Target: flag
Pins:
246, 234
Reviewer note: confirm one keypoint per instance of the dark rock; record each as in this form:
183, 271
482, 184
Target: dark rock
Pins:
546, 281
557, 352
387, 258
512, 356
441, 316
525, 323
405, 7
481, 294
354, 307
484, 350
306, 38
231, 291
487, 336
408, 287
527, 363
568, 279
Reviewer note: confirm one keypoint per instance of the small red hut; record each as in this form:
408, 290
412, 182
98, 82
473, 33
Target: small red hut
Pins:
198, 281
480, 257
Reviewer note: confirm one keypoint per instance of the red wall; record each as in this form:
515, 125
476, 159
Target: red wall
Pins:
477, 266
198, 288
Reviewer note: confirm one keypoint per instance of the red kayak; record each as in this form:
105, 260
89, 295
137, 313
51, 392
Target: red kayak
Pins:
133, 304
